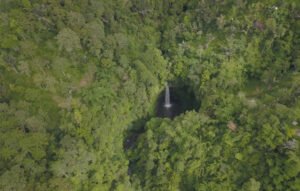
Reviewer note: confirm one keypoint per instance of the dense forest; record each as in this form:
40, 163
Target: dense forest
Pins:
80, 81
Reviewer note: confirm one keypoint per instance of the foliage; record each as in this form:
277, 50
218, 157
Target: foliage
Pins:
75, 76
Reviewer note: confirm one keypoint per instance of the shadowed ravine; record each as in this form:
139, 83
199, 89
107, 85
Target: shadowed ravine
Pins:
174, 101
171, 102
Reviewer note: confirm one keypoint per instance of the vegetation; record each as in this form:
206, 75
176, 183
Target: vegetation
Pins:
76, 76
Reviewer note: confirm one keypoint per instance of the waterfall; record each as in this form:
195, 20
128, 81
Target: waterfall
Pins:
167, 97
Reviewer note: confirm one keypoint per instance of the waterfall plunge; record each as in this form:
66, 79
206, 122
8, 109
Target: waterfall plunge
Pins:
167, 97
